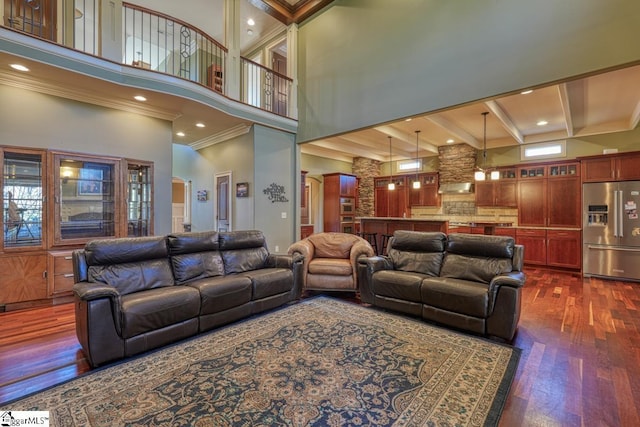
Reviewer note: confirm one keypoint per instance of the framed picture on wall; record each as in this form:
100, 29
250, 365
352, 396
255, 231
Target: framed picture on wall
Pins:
242, 189
202, 195
90, 182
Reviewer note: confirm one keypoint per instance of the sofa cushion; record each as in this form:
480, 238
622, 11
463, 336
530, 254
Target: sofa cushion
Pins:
188, 267
481, 245
479, 269
270, 281
332, 245
329, 282
334, 266
223, 292
459, 296
420, 252
243, 251
156, 308
188, 243
133, 277
398, 284
125, 250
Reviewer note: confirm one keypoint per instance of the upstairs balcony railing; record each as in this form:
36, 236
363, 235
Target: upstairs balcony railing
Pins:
158, 42
150, 40
264, 88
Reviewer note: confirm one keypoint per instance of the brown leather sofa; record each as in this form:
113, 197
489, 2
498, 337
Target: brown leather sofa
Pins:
331, 260
136, 294
469, 282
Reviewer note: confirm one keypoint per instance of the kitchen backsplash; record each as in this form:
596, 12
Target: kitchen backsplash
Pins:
462, 208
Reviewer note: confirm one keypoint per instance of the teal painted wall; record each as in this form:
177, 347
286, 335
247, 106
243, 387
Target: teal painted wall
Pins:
367, 62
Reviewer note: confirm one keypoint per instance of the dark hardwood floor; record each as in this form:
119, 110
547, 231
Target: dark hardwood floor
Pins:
580, 342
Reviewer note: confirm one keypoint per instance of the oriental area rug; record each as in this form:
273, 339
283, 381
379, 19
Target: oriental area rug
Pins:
320, 362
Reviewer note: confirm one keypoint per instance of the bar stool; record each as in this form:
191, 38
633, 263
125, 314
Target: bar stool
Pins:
385, 240
372, 238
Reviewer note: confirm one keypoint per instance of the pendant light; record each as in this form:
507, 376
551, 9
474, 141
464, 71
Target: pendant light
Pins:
481, 175
392, 185
416, 183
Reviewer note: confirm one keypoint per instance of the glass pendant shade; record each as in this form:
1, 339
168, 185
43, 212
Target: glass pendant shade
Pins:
391, 186
416, 185
495, 175
479, 176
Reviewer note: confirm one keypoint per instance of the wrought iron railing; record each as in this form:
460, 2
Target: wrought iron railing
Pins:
154, 41
264, 88
158, 42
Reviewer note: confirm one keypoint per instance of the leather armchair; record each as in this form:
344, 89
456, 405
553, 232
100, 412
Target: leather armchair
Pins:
331, 260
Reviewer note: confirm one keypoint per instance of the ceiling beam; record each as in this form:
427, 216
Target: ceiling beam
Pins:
506, 122
565, 102
460, 133
395, 133
352, 149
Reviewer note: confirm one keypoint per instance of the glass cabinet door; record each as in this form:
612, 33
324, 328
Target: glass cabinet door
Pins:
22, 196
139, 198
86, 194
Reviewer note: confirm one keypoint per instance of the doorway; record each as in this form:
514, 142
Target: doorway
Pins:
223, 207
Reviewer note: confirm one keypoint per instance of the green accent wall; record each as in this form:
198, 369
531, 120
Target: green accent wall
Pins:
362, 63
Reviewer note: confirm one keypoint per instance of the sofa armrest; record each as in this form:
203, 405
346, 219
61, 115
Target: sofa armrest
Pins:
515, 279
89, 291
280, 261
305, 249
366, 268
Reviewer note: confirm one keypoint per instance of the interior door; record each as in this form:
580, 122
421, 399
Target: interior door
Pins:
223, 202
279, 64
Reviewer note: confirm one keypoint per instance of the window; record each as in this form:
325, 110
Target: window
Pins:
547, 150
409, 165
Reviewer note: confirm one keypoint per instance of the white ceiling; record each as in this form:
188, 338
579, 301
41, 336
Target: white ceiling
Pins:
604, 103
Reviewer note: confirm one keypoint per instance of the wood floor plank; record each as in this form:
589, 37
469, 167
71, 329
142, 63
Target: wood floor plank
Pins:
580, 362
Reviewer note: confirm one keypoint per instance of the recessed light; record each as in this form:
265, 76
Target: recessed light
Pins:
180, 133
408, 120
250, 31
526, 92
200, 125
251, 22
450, 141
542, 123
19, 67
140, 98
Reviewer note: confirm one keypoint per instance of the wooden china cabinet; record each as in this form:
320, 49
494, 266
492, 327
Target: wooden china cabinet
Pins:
55, 202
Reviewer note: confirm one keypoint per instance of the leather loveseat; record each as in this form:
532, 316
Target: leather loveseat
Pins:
136, 294
469, 282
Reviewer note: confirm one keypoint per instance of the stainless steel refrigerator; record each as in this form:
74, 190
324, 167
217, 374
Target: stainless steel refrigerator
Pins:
611, 229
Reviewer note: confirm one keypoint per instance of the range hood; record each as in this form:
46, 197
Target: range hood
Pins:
456, 188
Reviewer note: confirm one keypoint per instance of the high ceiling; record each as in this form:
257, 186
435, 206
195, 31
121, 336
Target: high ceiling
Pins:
598, 104
604, 103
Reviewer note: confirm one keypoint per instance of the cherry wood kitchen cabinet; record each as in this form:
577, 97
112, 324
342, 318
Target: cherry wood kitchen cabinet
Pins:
532, 202
611, 167
427, 194
535, 245
499, 193
339, 202
564, 248
549, 195
391, 203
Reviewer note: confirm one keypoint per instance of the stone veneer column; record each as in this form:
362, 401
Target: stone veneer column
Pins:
456, 163
366, 170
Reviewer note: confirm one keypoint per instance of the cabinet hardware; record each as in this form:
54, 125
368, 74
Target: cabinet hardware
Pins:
67, 275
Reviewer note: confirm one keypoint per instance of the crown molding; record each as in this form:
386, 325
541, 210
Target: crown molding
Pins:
223, 136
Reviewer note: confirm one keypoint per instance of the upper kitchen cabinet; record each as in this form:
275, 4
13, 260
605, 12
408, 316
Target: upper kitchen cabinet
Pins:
498, 193
427, 194
85, 194
612, 167
23, 181
391, 203
549, 195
